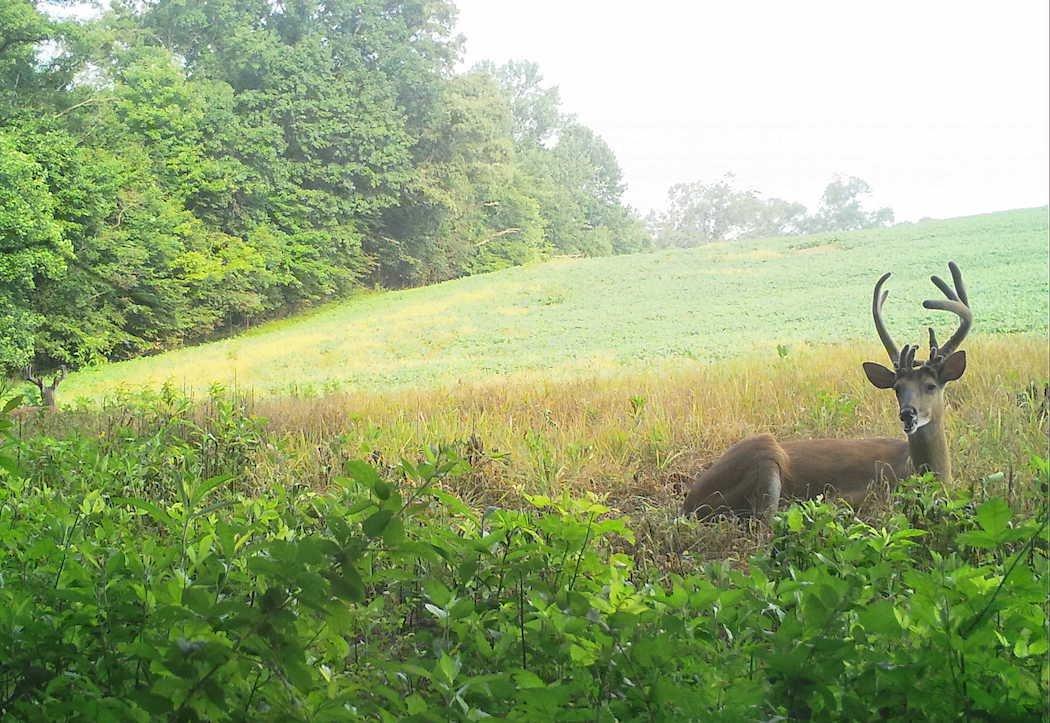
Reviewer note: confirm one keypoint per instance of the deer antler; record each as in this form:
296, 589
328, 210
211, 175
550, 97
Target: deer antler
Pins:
959, 304
907, 358
877, 300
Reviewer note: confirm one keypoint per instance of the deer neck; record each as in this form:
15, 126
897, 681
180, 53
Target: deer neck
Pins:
928, 450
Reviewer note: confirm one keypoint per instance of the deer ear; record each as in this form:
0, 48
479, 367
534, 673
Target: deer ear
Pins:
952, 368
879, 375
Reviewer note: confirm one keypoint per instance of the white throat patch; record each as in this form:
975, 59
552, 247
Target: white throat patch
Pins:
919, 424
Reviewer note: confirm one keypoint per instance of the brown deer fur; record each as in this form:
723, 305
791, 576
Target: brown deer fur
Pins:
755, 474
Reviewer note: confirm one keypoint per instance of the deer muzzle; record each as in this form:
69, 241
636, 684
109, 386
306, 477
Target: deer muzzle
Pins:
909, 418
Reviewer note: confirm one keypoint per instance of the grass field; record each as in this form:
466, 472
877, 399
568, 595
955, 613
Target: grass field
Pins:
162, 556
637, 440
326, 554
572, 318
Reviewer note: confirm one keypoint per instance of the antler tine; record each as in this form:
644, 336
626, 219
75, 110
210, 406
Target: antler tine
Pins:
947, 290
907, 357
933, 344
957, 278
957, 303
877, 300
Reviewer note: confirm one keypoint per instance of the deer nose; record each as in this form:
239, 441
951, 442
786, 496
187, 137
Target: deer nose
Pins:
908, 414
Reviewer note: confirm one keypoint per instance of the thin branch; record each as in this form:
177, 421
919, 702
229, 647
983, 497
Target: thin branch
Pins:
498, 234
89, 101
20, 40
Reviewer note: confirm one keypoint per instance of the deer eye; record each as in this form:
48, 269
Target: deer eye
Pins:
931, 387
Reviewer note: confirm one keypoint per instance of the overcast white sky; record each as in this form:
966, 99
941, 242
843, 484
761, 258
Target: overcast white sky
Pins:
943, 107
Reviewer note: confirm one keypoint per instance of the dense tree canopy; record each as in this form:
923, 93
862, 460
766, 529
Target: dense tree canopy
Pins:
170, 170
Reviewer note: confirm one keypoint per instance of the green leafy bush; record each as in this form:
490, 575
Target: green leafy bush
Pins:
139, 580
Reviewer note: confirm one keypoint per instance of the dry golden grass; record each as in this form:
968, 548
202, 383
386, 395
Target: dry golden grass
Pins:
638, 439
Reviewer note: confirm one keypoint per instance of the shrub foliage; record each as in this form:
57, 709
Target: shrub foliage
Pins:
142, 578
169, 172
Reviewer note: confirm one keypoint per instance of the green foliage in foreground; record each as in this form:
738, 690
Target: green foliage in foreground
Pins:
140, 580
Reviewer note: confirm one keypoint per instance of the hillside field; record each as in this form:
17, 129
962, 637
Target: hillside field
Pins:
292, 478
595, 317
406, 548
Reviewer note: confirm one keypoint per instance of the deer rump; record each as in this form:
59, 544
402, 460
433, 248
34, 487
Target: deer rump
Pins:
755, 474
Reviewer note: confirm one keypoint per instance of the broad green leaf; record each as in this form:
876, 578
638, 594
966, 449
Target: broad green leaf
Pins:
978, 539
362, 473
879, 618
581, 655
382, 489
462, 608
9, 465
394, 532
525, 680
374, 525
155, 511
347, 584
437, 591
298, 673
448, 668
993, 516
415, 704
206, 487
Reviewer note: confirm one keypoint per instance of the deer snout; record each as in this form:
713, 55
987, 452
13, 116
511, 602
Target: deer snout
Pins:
909, 419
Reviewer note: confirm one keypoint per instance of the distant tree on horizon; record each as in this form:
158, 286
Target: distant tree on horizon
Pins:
842, 208
698, 213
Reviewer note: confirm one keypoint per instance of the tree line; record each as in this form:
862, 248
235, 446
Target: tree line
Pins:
699, 213
172, 171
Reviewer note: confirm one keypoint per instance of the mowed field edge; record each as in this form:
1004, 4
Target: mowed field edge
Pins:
569, 317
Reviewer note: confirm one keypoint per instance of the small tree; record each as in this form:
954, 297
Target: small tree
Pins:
842, 208
700, 213
47, 390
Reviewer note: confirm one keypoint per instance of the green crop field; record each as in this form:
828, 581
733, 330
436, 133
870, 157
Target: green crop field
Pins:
597, 476
598, 316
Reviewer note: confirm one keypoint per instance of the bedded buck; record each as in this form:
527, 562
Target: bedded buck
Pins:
753, 475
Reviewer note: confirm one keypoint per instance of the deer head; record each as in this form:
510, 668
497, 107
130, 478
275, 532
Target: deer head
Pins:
919, 385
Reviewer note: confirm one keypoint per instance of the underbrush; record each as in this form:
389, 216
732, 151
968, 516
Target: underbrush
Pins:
636, 439
146, 573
